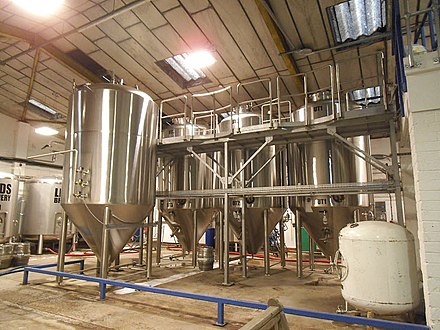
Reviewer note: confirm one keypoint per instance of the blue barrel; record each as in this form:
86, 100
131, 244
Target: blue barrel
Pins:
210, 237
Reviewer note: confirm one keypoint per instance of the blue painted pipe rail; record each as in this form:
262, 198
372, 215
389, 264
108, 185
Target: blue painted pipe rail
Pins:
220, 301
19, 269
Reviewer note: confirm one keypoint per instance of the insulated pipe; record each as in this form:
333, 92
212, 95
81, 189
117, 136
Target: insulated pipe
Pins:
105, 242
243, 239
150, 245
62, 248
298, 244
266, 245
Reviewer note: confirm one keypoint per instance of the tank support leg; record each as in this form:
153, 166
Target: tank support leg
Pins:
298, 239
150, 245
159, 240
266, 245
194, 247
311, 254
282, 244
141, 243
62, 248
105, 242
243, 239
220, 242
226, 241
40, 244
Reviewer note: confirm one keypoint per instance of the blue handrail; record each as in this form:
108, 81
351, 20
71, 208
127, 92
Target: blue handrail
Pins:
221, 301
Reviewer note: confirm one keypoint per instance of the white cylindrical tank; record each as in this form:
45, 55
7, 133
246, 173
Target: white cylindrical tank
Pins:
379, 271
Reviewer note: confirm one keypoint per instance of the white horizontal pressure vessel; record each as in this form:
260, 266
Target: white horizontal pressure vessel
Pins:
378, 270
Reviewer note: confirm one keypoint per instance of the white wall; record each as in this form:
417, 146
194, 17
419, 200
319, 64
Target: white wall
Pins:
19, 140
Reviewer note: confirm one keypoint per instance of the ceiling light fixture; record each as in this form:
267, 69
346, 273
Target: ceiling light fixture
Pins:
39, 7
200, 59
47, 131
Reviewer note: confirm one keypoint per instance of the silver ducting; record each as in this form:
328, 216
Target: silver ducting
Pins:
111, 134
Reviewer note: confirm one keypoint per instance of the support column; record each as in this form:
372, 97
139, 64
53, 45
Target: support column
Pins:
150, 245
105, 242
226, 218
266, 245
424, 128
298, 238
311, 254
62, 248
40, 244
195, 242
282, 244
159, 240
243, 239
141, 243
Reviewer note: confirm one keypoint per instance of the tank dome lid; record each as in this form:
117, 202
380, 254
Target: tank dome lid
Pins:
375, 231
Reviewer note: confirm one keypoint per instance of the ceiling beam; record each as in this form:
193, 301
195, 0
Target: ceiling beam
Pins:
14, 32
280, 42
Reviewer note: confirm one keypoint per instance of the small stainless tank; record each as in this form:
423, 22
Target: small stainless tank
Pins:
185, 172
43, 213
9, 215
327, 162
270, 175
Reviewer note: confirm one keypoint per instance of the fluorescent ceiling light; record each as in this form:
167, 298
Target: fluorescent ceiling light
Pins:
200, 59
43, 107
46, 131
39, 7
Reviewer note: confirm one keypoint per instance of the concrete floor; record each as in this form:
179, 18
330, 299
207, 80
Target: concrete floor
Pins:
76, 305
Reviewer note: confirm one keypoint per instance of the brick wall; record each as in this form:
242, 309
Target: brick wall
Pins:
424, 129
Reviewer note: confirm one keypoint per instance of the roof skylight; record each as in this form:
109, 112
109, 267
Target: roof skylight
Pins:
354, 18
181, 69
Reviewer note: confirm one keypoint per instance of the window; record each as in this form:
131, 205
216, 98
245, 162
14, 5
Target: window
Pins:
355, 18
366, 96
181, 72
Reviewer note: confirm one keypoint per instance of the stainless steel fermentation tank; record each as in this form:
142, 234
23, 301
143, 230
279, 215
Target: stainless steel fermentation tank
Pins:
258, 173
185, 172
9, 214
43, 213
110, 173
327, 162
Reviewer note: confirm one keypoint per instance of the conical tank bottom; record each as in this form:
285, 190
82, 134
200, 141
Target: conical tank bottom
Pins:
254, 218
327, 236
181, 222
89, 221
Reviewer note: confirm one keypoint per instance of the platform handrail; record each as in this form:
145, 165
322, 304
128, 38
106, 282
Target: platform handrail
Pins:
221, 301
